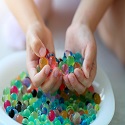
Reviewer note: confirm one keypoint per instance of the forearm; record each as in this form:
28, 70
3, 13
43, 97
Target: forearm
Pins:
25, 12
90, 12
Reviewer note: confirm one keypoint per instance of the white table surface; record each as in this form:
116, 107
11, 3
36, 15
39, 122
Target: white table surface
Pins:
107, 61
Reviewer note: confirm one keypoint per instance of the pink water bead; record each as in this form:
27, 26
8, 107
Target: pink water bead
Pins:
7, 103
91, 89
52, 62
14, 89
51, 115
65, 69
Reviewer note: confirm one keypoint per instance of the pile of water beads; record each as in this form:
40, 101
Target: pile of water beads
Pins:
67, 64
33, 107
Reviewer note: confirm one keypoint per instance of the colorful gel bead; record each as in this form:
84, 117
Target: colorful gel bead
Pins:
71, 69
70, 60
42, 62
64, 114
76, 118
14, 89
11, 113
97, 98
52, 62
51, 115
6, 91
77, 65
7, 103
19, 118
65, 69
26, 81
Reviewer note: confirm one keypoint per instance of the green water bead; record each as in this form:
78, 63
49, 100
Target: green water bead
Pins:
6, 97
35, 105
14, 96
6, 91
14, 103
30, 108
31, 118
25, 121
43, 117
26, 113
31, 123
96, 107
20, 96
25, 97
70, 60
37, 122
23, 89
60, 64
57, 122
23, 75
66, 122
12, 83
34, 114
26, 102
18, 84
39, 94
32, 100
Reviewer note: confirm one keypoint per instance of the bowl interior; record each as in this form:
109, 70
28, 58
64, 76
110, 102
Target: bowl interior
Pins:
13, 65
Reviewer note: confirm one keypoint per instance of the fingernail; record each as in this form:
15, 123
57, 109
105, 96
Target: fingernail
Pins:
71, 79
47, 70
42, 51
87, 74
77, 73
56, 73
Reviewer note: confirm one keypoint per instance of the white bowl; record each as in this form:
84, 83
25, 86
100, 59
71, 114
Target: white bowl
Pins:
13, 65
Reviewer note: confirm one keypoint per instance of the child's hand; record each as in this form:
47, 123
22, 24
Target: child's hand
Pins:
39, 38
79, 38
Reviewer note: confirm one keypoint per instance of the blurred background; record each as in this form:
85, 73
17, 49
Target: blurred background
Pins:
59, 20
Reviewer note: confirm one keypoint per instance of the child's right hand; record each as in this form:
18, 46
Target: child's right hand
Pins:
38, 39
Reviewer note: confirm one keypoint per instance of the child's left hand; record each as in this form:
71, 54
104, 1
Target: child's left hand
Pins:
79, 38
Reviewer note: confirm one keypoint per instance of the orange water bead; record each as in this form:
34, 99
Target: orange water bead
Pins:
77, 65
19, 119
18, 78
70, 112
97, 98
64, 114
42, 62
85, 111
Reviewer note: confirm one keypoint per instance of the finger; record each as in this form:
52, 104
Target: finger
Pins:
38, 78
67, 83
37, 46
57, 84
81, 78
76, 85
50, 81
90, 55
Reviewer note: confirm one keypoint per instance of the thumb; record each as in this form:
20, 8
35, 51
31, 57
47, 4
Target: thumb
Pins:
38, 47
89, 57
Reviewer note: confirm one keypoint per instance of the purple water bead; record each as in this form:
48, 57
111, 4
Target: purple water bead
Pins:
65, 69
26, 82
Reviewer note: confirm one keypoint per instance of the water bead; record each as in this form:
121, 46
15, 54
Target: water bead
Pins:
65, 69
77, 65
7, 103
18, 107
34, 114
23, 106
18, 84
6, 91
34, 93
57, 122
13, 103
60, 64
44, 110
32, 100
19, 118
77, 55
42, 62
52, 62
64, 114
91, 89
31, 123
71, 69
25, 97
70, 112
11, 113
39, 94
14, 89
97, 98
25, 121
30, 108
96, 107
26, 82
70, 60
51, 115
23, 75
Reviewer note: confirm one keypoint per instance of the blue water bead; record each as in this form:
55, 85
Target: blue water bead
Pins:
71, 69
77, 55
63, 106
43, 99
44, 110
39, 112
68, 53
89, 120
8, 108
15, 111
61, 119
84, 122
61, 100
